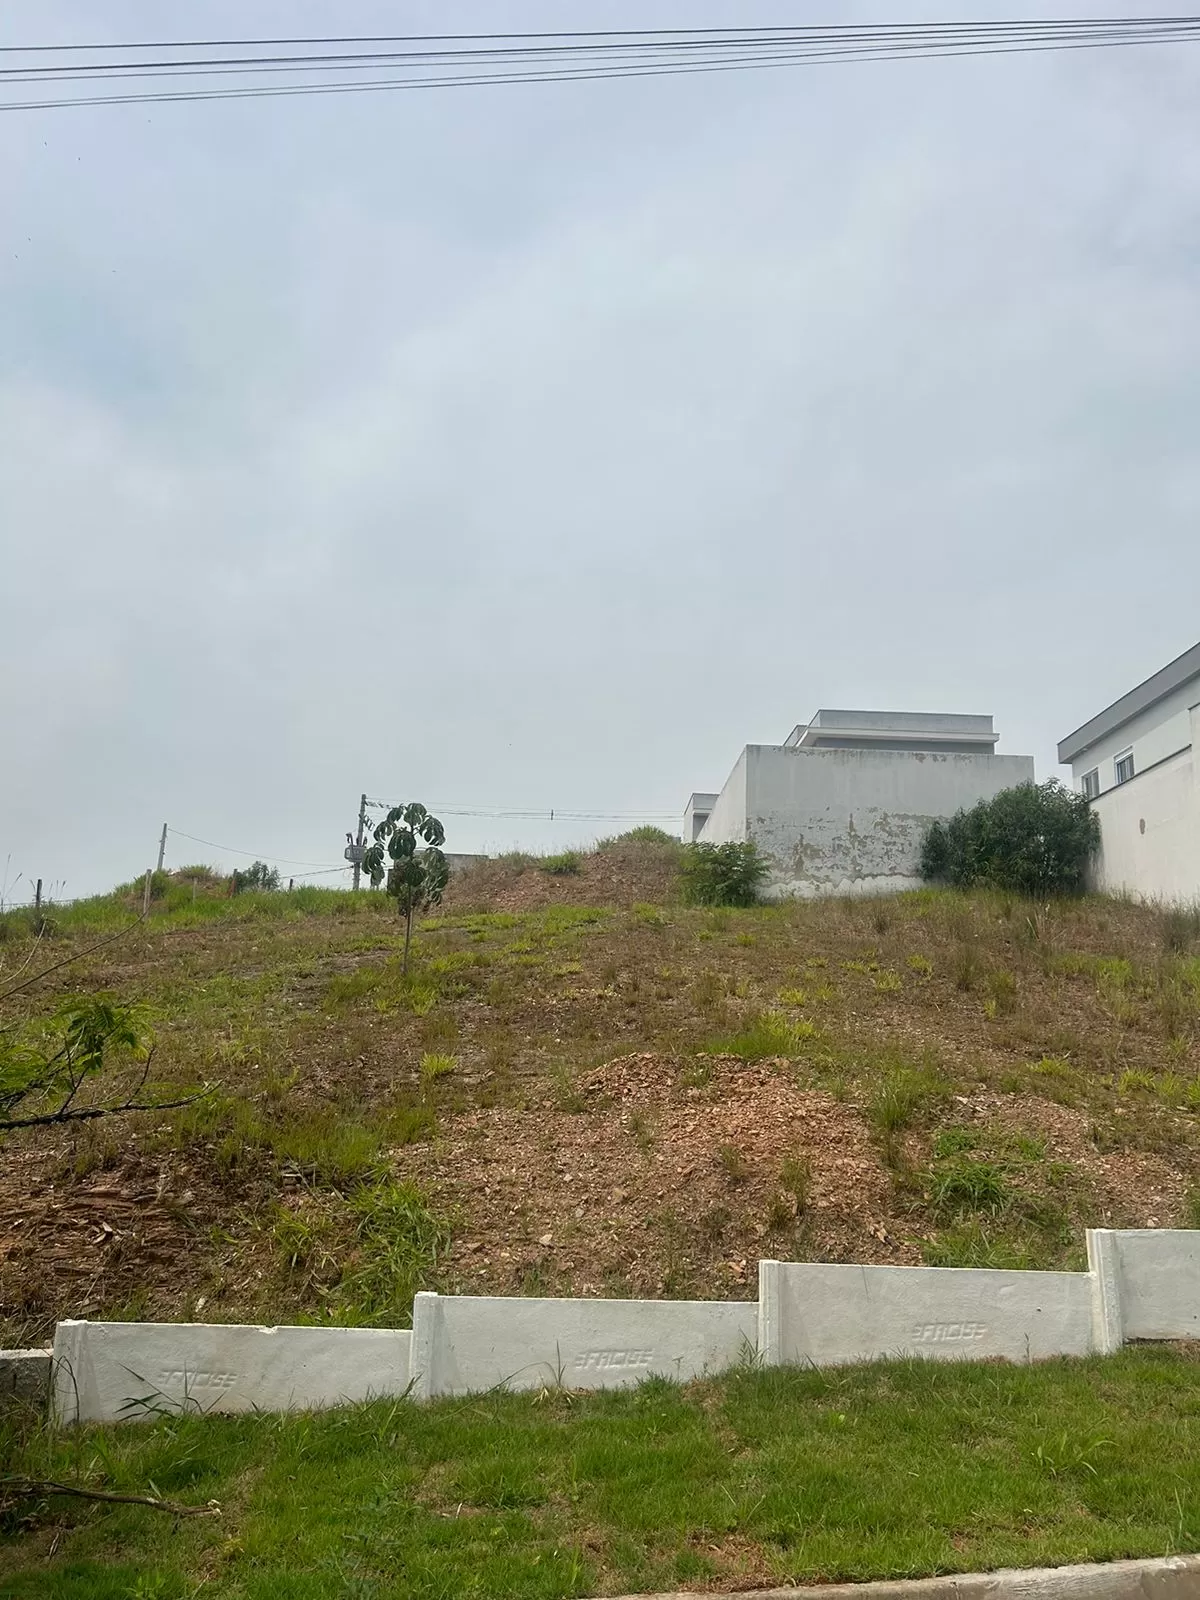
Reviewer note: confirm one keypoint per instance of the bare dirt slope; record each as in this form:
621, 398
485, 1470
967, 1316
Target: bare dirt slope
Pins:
586, 1087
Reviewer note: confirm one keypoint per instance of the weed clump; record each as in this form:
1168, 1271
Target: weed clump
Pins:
767, 1036
730, 874
567, 864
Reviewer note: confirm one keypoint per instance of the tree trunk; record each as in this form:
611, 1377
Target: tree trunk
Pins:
407, 937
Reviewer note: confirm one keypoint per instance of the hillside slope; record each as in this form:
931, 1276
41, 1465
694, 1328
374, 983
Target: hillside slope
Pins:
584, 1087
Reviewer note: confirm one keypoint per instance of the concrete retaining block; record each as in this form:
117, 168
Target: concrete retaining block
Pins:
467, 1343
1141, 1284
1157, 1578
829, 1315
1148, 1282
116, 1371
24, 1377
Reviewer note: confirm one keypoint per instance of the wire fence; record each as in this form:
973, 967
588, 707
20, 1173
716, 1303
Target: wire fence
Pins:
24, 892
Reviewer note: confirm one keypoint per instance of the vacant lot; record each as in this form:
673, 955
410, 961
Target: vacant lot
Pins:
585, 1087
889, 1470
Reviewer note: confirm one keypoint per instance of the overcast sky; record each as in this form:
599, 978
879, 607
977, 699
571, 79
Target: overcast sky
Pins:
540, 447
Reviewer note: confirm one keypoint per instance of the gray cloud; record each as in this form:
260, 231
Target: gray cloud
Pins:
543, 446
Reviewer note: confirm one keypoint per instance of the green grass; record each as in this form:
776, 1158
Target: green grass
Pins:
567, 864
325, 1063
889, 1470
764, 1037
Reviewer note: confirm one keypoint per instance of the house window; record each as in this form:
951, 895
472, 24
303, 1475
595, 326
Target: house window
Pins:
1123, 766
1090, 784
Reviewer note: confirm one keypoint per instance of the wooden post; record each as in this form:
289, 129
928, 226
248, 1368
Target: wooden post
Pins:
358, 844
37, 898
291, 884
162, 847
146, 893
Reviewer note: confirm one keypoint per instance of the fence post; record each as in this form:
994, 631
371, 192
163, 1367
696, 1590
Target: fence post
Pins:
146, 892
37, 898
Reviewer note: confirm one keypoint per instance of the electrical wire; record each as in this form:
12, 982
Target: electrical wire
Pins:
509, 39
554, 814
257, 855
845, 37
629, 54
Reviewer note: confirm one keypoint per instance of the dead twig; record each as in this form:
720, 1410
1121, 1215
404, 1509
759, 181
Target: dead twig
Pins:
38, 1488
8, 1124
37, 977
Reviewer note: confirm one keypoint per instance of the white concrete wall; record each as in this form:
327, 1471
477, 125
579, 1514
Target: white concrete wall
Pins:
1140, 1284
24, 1377
120, 1371
852, 821
468, 1343
1155, 733
1149, 1282
818, 1315
1150, 830
728, 817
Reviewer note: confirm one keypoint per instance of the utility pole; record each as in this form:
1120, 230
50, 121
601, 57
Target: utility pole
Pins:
358, 844
162, 847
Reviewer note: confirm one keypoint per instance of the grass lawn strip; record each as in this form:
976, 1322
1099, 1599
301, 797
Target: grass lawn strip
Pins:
883, 1471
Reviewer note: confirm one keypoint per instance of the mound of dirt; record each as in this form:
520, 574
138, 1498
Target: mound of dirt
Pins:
660, 1184
623, 874
137, 1234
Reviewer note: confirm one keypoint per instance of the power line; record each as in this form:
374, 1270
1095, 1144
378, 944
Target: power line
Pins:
641, 54
257, 855
847, 36
510, 38
553, 814
655, 61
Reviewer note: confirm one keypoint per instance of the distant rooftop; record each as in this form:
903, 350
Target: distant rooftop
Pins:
1162, 683
942, 731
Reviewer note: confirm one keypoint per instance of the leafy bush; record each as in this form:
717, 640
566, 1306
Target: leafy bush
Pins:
729, 874
1036, 839
565, 865
644, 833
260, 876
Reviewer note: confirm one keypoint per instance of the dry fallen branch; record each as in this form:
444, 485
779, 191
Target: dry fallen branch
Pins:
37, 1488
8, 1124
121, 933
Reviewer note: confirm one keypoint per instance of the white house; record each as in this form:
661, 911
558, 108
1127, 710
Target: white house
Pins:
841, 807
1135, 763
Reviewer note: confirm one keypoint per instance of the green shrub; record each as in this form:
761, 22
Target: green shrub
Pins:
644, 833
729, 874
1035, 839
259, 876
565, 865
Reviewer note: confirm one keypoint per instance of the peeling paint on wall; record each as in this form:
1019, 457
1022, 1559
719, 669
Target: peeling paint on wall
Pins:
834, 821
